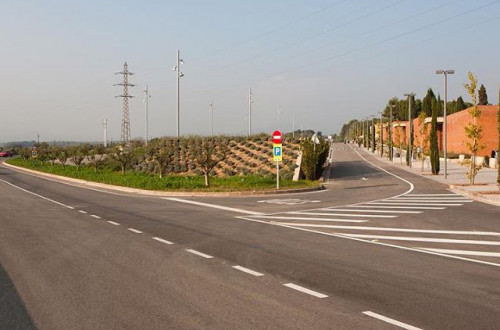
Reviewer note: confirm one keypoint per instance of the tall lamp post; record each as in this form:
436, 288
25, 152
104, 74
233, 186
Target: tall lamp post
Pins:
179, 75
373, 133
391, 149
410, 156
381, 136
445, 73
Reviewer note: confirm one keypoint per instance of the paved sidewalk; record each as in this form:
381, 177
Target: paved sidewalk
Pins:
485, 190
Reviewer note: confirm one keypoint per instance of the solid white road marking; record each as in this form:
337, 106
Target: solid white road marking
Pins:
212, 206
201, 254
430, 200
436, 195
412, 187
134, 230
394, 246
95, 216
248, 271
113, 223
81, 211
310, 219
399, 207
464, 252
305, 290
403, 230
345, 214
391, 321
411, 204
425, 239
37, 195
374, 211
162, 240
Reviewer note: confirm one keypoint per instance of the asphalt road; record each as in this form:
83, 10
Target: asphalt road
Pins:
74, 258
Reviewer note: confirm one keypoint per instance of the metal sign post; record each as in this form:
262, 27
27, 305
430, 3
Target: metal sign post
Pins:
277, 139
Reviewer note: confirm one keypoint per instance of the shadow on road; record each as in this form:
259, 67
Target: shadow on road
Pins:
352, 170
13, 314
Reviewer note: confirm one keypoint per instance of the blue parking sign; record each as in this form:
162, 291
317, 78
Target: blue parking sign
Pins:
277, 152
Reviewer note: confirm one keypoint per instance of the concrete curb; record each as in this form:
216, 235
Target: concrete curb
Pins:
153, 193
478, 196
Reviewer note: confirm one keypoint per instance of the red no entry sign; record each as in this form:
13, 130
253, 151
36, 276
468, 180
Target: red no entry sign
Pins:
277, 137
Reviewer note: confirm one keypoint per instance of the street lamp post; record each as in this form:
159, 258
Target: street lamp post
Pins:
147, 95
409, 95
381, 136
373, 133
179, 75
445, 73
391, 149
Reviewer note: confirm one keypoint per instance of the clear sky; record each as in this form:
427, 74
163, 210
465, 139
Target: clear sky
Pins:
324, 62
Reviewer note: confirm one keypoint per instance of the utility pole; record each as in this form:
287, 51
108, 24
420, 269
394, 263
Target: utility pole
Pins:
293, 126
146, 101
125, 130
410, 96
212, 117
38, 138
250, 112
179, 75
105, 127
445, 73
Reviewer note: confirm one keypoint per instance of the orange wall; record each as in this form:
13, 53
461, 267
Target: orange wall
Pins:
456, 131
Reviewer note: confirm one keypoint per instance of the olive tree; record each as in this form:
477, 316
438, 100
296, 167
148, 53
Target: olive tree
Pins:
208, 153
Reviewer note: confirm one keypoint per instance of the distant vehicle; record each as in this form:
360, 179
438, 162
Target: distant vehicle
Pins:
5, 154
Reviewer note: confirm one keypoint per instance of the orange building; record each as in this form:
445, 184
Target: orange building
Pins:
457, 140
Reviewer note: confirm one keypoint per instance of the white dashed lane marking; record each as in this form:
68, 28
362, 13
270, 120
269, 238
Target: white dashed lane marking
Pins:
198, 253
391, 321
162, 240
95, 216
248, 271
113, 223
305, 290
81, 211
134, 230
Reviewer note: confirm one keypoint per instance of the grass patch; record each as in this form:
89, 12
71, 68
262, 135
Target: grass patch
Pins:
172, 182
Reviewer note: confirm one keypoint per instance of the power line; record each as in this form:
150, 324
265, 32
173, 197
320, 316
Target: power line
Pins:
262, 35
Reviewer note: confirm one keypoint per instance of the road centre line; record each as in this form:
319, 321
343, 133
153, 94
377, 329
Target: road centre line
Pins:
134, 230
95, 216
308, 219
425, 239
344, 214
163, 240
464, 252
248, 271
201, 254
81, 211
212, 206
402, 230
374, 211
398, 207
113, 223
391, 321
37, 195
412, 204
394, 246
305, 290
